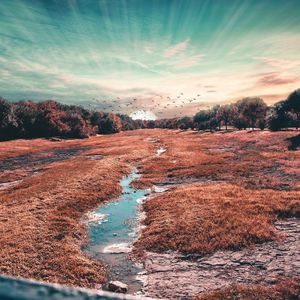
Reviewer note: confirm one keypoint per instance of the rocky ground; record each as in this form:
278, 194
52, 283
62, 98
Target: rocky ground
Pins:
175, 275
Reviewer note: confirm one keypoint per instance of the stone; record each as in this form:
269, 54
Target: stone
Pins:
175, 276
55, 139
117, 287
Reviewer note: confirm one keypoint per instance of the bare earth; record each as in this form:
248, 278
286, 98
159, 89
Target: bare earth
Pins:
174, 275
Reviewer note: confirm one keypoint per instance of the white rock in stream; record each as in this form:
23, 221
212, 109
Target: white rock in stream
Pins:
117, 287
117, 248
95, 217
160, 151
141, 200
158, 189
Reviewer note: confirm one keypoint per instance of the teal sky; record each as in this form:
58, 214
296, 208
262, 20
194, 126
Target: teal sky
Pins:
171, 56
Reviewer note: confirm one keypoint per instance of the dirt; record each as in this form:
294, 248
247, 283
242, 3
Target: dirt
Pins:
174, 275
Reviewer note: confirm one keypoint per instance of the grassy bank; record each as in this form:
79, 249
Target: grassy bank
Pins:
284, 289
245, 180
40, 218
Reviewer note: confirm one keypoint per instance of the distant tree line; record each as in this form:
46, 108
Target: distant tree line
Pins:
26, 119
247, 113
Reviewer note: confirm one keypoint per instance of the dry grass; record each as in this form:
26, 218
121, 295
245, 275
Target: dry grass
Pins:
249, 180
254, 160
40, 230
202, 218
284, 289
21, 147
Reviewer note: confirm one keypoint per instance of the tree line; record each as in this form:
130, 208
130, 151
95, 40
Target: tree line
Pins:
247, 113
27, 119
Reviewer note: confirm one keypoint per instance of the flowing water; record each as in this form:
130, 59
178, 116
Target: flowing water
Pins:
112, 228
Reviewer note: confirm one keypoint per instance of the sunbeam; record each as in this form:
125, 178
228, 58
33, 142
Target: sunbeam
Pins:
75, 51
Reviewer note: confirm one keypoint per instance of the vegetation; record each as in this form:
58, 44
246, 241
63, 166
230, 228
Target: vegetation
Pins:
246, 113
210, 217
285, 113
250, 180
244, 183
284, 289
42, 232
27, 119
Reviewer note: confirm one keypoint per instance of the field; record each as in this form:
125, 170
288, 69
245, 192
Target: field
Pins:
227, 191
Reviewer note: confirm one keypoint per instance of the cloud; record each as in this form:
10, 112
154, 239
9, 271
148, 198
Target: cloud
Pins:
173, 50
271, 79
148, 49
187, 62
279, 63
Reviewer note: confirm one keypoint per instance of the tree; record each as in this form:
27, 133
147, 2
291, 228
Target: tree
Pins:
8, 122
225, 114
292, 104
129, 124
252, 110
206, 119
151, 124
238, 120
277, 117
26, 113
185, 123
78, 126
110, 123
201, 120
50, 120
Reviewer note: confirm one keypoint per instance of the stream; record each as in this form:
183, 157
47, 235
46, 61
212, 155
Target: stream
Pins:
112, 228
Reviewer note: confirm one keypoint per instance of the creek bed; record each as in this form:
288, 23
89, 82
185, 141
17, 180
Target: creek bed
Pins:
112, 228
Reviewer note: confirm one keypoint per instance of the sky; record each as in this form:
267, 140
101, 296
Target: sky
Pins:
149, 58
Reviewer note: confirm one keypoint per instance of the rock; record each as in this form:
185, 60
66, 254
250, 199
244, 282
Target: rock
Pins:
117, 248
115, 234
117, 287
174, 276
55, 139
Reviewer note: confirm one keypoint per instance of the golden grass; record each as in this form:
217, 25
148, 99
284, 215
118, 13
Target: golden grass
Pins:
202, 218
284, 289
249, 180
254, 160
41, 234
40, 230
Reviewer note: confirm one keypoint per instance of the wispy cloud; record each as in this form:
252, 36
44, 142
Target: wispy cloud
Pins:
175, 49
186, 61
271, 79
133, 62
279, 63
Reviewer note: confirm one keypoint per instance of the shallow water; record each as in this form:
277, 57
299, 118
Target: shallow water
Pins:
112, 229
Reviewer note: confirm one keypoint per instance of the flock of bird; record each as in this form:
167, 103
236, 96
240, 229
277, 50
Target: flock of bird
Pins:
157, 104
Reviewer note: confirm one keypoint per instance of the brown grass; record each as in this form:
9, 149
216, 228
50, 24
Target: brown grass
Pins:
249, 180
202, 218
40, 229
254, 160
284, 289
